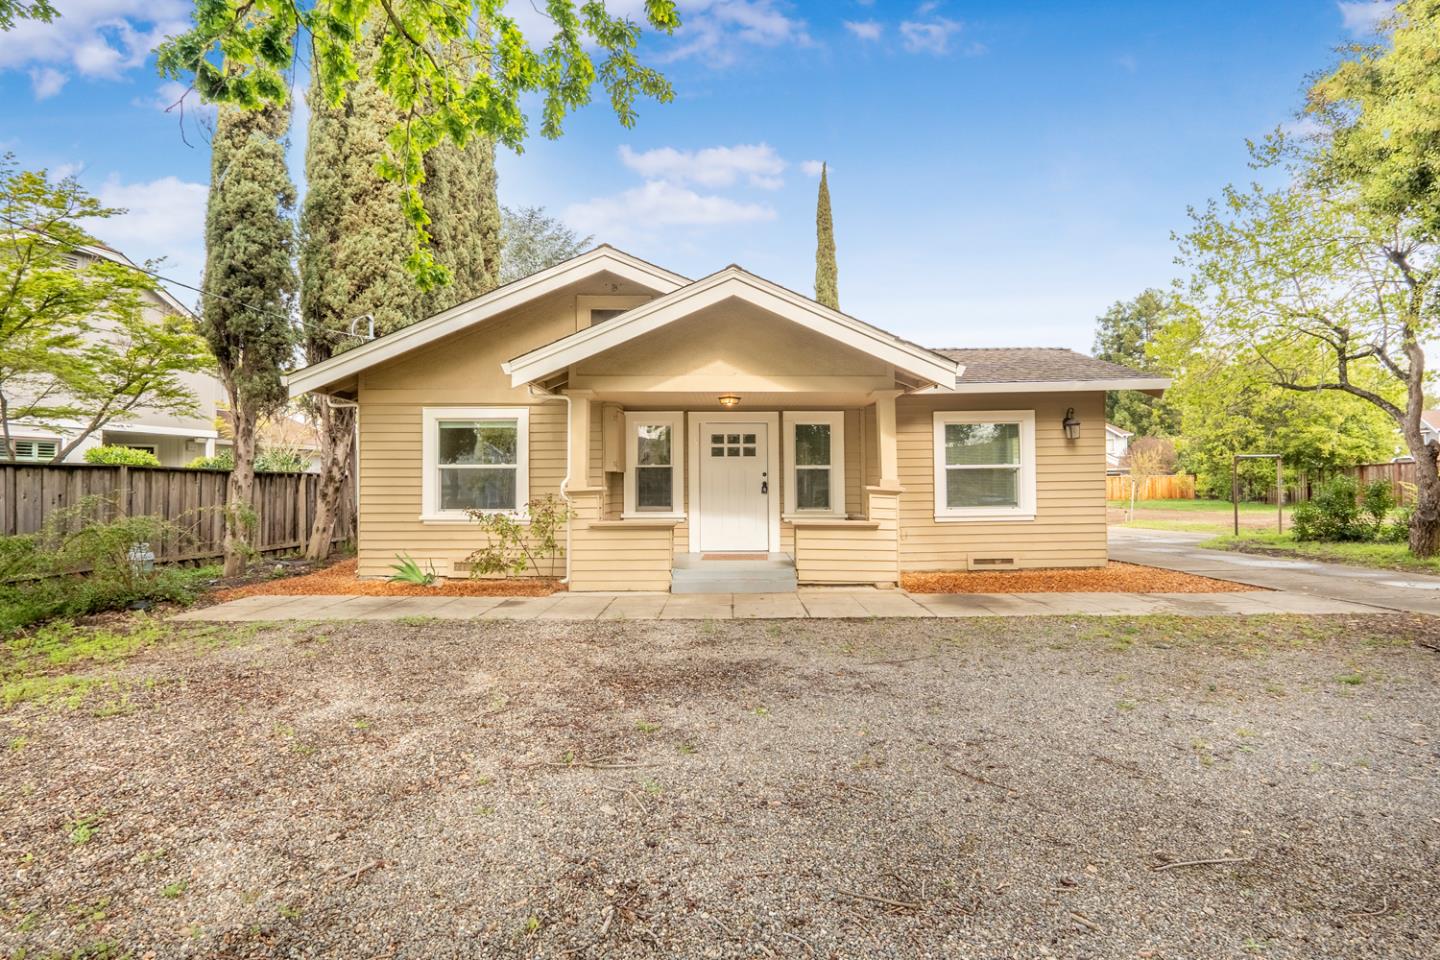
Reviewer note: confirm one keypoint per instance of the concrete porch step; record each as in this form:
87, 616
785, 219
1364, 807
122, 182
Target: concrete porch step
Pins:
775, 574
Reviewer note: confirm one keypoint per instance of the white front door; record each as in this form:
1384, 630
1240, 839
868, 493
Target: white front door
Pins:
734, 487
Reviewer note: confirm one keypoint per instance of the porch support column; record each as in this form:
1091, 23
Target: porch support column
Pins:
885, 432
579, 437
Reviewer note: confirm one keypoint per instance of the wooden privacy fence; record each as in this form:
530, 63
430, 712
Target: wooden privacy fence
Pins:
1180, 486
193, 500
1400, 475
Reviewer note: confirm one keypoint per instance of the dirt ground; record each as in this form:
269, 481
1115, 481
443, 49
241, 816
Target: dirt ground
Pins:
1219, 520
1086, 787
339, 579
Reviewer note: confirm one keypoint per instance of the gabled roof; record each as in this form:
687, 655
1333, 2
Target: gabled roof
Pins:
603, 259
1118, 431
733, 282
1042, 369
1430, 418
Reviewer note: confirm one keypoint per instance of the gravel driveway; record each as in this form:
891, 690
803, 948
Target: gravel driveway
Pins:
981, 788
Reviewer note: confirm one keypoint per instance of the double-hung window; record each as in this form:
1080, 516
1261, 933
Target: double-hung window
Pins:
815, 463
654, 456
475, 458
985, 465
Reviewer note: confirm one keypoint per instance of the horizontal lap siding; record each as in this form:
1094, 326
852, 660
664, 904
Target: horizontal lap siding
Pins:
391, 473
850, 554
1069, 526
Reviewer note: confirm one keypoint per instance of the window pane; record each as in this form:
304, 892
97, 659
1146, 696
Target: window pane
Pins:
717, 451
812, 489
997, 487
484, 488
652, 446
652, 488
478, 441
749, 438
967, 443
732, 438
812, 444
717, 438
748, 451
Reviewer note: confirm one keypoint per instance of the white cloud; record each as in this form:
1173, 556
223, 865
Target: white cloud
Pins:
812, 168
99, 39
717, 29
46, 82
865, 29
163, 218
659, 203
711, 167
1364, 16
929, 36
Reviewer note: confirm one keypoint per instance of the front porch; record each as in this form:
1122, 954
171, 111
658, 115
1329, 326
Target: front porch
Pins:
687, 496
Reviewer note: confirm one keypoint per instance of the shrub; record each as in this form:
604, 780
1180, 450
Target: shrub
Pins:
1376, 503
79, 563
408, 571
1397, 528
1333, 513
515, 546
281, 460
224, 460
121, 457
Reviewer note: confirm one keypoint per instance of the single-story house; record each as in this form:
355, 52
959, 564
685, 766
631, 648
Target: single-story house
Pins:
1117, 444
697, 424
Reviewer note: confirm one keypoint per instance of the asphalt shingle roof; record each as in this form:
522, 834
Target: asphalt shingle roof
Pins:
1034, 364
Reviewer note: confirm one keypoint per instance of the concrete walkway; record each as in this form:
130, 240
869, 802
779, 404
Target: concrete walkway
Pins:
1388, 590
816, 603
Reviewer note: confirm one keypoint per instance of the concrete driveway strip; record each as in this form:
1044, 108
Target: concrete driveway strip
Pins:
1169, 550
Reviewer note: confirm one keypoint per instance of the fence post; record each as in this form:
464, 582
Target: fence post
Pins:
1279, 497
302, 507
122, 495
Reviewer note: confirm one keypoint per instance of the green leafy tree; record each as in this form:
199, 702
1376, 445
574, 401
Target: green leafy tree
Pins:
827, 272
13, 10
82, 340
1329, 282
443, 78
248, 291
1123, 334
531, 241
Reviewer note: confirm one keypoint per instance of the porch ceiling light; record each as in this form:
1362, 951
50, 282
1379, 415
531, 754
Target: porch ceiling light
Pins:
728, 400
1071, 425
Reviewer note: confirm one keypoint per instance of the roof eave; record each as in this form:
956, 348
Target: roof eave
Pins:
1153, 386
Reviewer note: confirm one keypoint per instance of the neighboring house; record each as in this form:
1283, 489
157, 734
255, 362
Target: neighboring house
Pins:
693, 425
1430, 426
1117, 444
174, 439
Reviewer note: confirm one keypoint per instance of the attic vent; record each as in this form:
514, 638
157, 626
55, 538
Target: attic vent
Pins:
34, 451
600, 316
990, 563
71, 261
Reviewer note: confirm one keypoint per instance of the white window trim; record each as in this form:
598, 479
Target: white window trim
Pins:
430, 511
675, 420
835, 420
1025, 483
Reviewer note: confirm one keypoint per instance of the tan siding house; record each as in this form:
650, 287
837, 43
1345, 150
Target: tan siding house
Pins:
719, 428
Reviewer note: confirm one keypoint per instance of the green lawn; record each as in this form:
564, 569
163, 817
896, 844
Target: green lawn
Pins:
1193, 506
1389, 556
1192, 516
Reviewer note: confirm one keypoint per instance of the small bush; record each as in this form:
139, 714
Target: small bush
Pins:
1397, 528
514, 546
1333, 513
1376, 503
224, 460
79, 563
121, 457
408, 571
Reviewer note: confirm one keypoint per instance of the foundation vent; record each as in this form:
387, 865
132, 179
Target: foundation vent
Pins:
990, 563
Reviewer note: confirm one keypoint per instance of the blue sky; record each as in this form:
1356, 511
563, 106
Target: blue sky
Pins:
1000, 172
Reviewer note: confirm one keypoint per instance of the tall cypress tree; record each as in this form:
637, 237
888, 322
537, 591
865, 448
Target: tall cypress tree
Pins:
460, 196
248, 290
826, 272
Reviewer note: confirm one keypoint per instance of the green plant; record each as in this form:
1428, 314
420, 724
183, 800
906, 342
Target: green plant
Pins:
281, 459
1376, 502
224, 460
121, 457
83, 829
408, 571
1333, 513
514, 545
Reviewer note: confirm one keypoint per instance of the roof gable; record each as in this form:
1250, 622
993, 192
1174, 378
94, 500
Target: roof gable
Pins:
731, 283
603, 259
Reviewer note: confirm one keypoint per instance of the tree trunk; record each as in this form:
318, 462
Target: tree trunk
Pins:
337, 441
1425, 520
239, 494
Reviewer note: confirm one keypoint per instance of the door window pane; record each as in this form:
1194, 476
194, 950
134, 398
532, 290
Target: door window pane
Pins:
812, 444
969, 444
982, 487
812, 488
653, 488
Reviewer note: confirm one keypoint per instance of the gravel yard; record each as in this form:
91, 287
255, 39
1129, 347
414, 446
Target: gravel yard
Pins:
1069, 787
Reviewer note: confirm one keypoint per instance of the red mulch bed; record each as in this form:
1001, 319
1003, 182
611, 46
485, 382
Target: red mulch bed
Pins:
1111, 578
340, 579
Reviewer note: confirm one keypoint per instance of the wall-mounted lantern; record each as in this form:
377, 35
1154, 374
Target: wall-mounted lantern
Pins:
1071, 425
